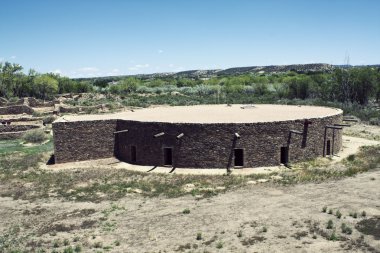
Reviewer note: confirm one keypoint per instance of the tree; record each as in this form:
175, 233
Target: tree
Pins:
8, 73
45, 86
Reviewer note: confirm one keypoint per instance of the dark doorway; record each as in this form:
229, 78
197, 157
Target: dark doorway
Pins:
133, 154
239, 157
328, 147
284, 155
168, 156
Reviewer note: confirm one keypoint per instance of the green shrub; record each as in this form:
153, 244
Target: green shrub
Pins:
219, 245
56, 244
346, 229
330, 224
34, 136
48, 119
78, 248
324, 209
351, 158
338, 214
68, 250
186, 211
199, 236
333, 237
364, 214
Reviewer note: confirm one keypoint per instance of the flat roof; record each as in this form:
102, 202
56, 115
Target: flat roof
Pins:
214, 114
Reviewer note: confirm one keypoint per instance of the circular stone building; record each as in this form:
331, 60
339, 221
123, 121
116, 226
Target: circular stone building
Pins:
202, 136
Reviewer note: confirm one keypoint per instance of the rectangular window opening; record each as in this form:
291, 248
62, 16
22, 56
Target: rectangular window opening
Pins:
133, 154
239, 157
168, 156
284, 155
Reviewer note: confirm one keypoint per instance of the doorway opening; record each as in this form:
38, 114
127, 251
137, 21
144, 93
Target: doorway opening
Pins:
328, 147
284, 155
168, 156
133, 154
239, 157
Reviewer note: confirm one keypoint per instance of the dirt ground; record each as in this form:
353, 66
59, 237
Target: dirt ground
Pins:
256, 218
332, 216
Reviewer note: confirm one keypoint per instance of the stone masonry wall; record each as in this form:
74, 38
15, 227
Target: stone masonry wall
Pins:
202, 146
212, 145
16, 109
83, 140
16, 128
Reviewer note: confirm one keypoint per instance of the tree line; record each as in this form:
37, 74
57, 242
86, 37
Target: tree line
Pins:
348, 86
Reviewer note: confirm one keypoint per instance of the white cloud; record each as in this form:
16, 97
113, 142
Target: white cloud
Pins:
139, 66
171, 65
57, 71
13, 57
113, 72
88, 70
1, 59
160, 51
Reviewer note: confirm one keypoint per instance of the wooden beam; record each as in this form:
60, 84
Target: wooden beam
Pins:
122, 131
351, 120
180, 135
296, 132
342, 125
334, 127
158, 135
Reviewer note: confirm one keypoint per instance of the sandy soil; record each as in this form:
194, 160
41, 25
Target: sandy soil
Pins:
234, 221
216, 114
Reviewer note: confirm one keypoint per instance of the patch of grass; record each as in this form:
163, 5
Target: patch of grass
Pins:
354, 215
333, 237
330, 211
117, 243
346, 229
219, 245
338, 214
324, 209
240, 233
98, 245
199, 236
68, 250
351, 158
66, 242
264, 230
78, 248
186, 211
330, 224
364, 214
11, 146
35, 136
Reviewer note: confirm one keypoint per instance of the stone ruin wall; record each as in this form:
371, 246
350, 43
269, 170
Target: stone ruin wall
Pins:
83, 140
16, 109
203, 145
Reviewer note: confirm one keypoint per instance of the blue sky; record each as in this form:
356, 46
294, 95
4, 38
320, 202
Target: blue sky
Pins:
82, 38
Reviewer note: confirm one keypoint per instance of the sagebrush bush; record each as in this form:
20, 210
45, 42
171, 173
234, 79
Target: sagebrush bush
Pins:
48, 119
34, 136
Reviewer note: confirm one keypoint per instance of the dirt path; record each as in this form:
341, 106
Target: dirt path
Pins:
231, 222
